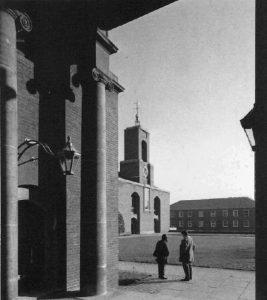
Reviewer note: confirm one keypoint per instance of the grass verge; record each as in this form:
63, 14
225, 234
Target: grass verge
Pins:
213, 251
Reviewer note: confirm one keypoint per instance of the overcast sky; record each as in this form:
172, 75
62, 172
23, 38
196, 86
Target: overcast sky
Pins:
191, 66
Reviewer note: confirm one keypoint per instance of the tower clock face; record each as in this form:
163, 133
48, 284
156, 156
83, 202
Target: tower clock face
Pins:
145, 171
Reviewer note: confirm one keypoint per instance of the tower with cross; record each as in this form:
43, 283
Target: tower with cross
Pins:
144, 208
136, 166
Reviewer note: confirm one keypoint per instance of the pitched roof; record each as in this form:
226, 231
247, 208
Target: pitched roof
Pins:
217, 203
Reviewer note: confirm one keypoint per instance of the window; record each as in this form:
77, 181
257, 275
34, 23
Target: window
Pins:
200, 223
235, 223
235, 213
246, 223
201, 214
225, 213
189, 223
173, 222
213, 224
181, 223
181, 214
135, 203
189, 214
246, 212
144, 151
146, 199
157, 206
213, 213
225, 223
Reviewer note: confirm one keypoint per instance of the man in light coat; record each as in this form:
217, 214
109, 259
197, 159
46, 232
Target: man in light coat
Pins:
187, 248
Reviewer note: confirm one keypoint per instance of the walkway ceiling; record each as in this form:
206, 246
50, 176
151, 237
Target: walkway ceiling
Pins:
115, 13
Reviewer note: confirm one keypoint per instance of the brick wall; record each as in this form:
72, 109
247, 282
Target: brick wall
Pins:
66, 249
28, 119
73, 195
131, 145
126, 189
130, 169
164, 208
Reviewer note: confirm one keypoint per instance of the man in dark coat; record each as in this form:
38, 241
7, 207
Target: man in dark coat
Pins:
161, 252
187, 248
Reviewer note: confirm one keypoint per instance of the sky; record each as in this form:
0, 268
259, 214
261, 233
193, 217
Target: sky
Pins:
191, 66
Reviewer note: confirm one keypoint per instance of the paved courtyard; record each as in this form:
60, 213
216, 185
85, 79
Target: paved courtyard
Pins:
207, 283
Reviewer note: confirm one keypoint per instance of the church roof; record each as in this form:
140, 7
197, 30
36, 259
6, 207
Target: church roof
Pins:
217, 203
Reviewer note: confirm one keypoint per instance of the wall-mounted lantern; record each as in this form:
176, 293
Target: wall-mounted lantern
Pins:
68, 157
248, 124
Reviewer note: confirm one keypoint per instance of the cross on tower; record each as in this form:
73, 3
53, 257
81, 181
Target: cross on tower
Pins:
137, 105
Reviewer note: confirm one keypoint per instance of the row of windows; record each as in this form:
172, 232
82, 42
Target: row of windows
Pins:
213, 224
225, 213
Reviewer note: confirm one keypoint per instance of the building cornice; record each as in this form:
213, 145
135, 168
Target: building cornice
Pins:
115, 85
139, 127
106, 42
134, 160
152, 187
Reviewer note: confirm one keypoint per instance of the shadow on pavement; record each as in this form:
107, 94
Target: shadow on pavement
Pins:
148, 281
60, 295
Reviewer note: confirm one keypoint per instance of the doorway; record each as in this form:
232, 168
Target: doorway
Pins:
31, 245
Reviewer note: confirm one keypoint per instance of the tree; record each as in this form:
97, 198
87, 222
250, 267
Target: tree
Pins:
121, 224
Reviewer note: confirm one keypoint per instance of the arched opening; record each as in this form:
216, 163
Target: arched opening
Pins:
135, 203
134, 226
144, 151
135, 220
156, 226
157, 214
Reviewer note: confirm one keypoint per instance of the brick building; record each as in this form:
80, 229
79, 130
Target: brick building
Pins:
59, 213
223, 215
143, 207
60, 232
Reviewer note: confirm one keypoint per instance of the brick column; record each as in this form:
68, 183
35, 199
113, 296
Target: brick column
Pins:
9, 171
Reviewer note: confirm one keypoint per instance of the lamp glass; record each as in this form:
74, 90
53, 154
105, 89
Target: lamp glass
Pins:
250, 136
68, 158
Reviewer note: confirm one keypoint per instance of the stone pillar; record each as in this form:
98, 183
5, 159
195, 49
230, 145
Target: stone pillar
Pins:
9, 171
101, 209
94, 207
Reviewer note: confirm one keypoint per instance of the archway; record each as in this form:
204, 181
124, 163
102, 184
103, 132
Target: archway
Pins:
134, 226
135, 220
157, 215
31, 240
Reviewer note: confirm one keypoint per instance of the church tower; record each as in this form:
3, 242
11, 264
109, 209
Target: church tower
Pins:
136, 166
